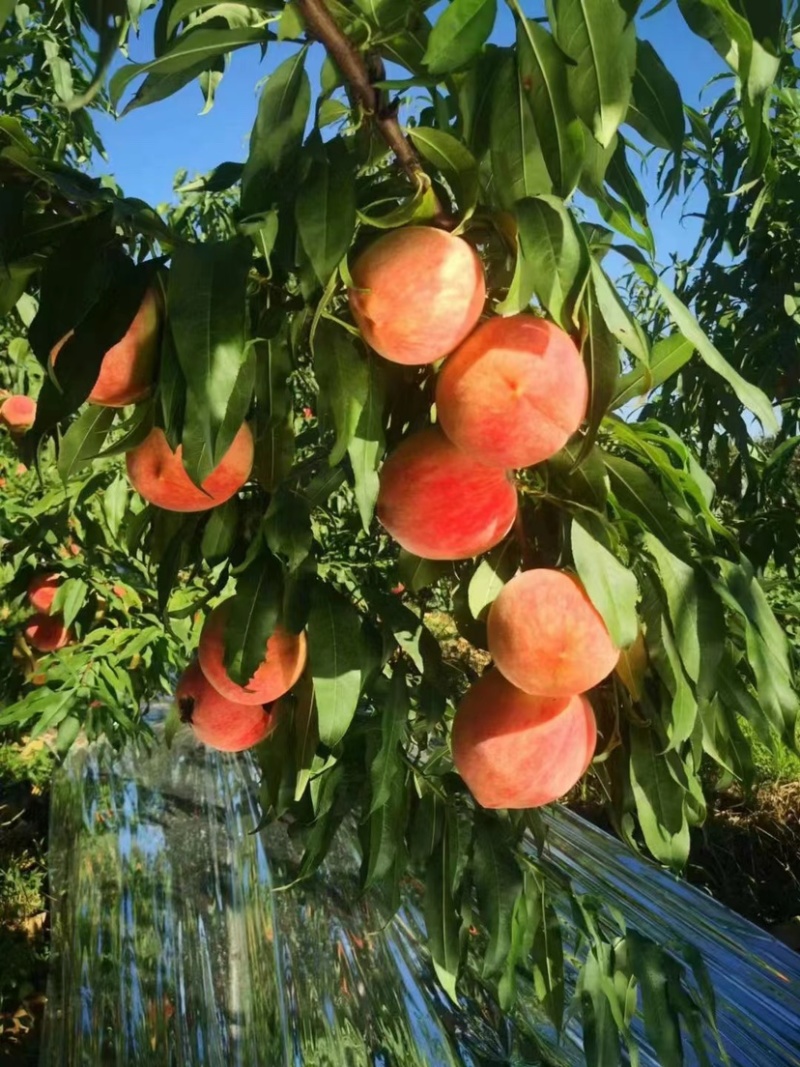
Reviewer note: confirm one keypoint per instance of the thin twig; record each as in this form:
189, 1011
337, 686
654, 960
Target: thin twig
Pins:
322, 26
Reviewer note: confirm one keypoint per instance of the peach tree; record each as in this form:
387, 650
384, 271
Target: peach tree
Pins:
512, 132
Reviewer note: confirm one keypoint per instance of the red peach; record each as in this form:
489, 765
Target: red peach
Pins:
46, 633
157, 473
217, 721
126, 371
547, 637
284, 658
419, 293
439, 504
18, 413
514, 750
42, 591
513, 393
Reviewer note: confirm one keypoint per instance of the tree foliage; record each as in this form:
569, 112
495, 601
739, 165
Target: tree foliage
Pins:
526, 147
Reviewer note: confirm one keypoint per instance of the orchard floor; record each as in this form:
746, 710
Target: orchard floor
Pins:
747, 856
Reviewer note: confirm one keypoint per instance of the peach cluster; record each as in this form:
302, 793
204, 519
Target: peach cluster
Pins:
509, 394
45, 631
231, 717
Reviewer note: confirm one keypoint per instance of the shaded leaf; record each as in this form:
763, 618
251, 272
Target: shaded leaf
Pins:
458, 34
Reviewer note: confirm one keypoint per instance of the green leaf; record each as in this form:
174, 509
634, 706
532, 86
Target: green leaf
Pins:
442, 919
70, 598
491, 574
750, 395
655, 972
667, 357
498, 884
547, 955
552, 261
325, 211
84, 440
767, 645
458, 34
418, 574
600, 1031
601, 41
637, 493
191, 49
517, 162
335, 651
343, 374
219, 535
601, 359
656, 110
679, 711
368, 444
618, 318
277, 134
287, 527
386, 851
659, 799
387, 764
611, 586
454, 161
543, 72
206, 303
252, 616
115, 503
679, 583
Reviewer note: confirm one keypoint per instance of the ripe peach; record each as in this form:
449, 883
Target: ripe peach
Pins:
284, 658
514, 750
513, 393
18, 413
217, 721
439, 504
157, 473
126, 371
46, 633
547, 637
42, 591
419, 293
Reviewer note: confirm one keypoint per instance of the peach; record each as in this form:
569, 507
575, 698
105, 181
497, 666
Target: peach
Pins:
127, 369
46, 633
42, 591
513, 393
157, 473
439, 504
284, 658
547, 637
18, 413
217, 721
514, 750
419, 293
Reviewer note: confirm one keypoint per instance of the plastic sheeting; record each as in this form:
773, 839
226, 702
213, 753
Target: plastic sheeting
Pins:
171, 946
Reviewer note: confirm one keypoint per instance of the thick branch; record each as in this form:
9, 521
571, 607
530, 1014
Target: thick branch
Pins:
322, 26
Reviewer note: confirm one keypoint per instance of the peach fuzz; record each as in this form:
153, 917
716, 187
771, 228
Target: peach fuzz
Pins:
419, 291
46, 633
284, 658
514, 750
158, 475
547, 637
439, 504
216, 721
513, 393
127, 369
42, 592
18, 413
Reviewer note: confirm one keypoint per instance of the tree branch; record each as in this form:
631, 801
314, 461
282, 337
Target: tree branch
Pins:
322, 26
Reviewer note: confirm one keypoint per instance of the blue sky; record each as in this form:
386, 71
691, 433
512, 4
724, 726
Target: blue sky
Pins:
149, 145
